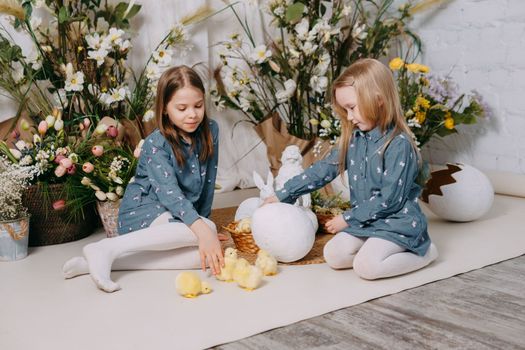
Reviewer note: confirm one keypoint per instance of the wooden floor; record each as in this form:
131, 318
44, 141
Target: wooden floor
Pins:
482, 309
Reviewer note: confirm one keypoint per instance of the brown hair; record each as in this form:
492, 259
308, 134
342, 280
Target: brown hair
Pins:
169, 83
378, 101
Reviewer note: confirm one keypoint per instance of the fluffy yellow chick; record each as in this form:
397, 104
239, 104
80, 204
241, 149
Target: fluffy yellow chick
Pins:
266, 262
230, 259
189, 285
244, 225
247, 276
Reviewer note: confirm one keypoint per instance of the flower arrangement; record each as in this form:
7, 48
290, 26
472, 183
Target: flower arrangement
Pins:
291, 73
331, 205
46, 149
108, 171
75, 77
14, 179
433, 104
78, 63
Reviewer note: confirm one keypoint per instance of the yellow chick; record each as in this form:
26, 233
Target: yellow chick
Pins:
230, 259
247, 276
189, 285
266, 262
244, 225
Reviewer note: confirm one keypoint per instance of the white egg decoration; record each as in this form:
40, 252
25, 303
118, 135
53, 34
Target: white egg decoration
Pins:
459, 193
285, 231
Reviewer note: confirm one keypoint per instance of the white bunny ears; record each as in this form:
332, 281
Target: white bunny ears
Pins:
267, 189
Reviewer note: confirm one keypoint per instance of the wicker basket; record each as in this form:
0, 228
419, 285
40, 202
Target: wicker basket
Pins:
243, 240
49, 226
108, 212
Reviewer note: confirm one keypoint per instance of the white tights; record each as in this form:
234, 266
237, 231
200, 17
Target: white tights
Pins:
374, 258
163, 245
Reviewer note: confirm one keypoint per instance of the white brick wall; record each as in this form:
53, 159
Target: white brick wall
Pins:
482, 44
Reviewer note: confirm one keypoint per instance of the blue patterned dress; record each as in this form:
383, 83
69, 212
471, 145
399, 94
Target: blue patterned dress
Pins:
383, 192
161, 184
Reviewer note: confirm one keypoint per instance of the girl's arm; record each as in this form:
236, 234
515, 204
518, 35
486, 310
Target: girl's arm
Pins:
400, 171
316, 176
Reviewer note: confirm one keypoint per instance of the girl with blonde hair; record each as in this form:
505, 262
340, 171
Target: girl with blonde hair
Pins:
384, 233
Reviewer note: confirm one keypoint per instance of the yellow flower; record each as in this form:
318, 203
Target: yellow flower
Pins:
396, 63
314, 121
423, 68
423, 102
449, 123
421, 116
418, 68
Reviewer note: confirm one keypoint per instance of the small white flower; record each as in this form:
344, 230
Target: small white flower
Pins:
326, 123
284, 94
74, 81
94, 41
260, 54
115, 95
149, 115
347, 9
301, 29
34, 59
163, 56
59, 125
318, 84
18, 71
153, 72
21, 145
98, 56
114, 37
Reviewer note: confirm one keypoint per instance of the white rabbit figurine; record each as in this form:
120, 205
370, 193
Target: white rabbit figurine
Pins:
248, 206
292, 165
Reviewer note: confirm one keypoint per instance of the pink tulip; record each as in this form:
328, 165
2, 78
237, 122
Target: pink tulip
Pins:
97, 150
88, 167
72, 169
87, 122
112, 131
66, 162
15, 134
42, 127
81, 127
58, 158
60, 171
59, 204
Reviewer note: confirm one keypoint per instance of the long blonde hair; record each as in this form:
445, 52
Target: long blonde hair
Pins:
169, 83
378, 101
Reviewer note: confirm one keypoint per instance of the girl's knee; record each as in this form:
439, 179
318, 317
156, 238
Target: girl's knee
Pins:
334, 257
367, 268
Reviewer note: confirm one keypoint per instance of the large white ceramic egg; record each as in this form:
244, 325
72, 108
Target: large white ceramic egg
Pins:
284, 230
459, 193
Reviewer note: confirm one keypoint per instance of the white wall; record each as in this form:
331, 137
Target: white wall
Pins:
482, 44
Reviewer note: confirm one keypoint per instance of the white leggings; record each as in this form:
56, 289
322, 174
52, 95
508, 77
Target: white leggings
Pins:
374, 258
186, 255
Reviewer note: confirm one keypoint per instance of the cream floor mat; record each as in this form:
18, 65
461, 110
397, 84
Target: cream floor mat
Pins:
40, 310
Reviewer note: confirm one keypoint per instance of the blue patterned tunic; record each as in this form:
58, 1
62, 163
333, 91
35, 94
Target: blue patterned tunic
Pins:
383, 192
161, 184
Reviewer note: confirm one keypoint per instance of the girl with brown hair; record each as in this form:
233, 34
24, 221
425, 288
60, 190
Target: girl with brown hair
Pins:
165, 208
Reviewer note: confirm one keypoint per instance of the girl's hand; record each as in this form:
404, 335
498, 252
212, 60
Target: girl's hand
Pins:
336, 225
272, 199
209, 247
